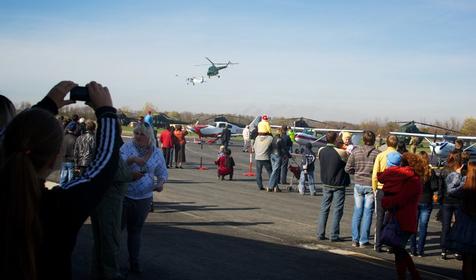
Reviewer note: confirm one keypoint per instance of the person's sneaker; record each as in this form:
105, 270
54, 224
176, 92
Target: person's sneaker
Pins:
365, 245
268, 190
261, 189
322, 238
378, 249
277, 189
443, 256
458, 257
413, 254
355, 243
338, 239
313, 194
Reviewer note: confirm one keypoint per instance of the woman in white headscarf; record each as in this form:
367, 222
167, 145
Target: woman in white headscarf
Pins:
141, 155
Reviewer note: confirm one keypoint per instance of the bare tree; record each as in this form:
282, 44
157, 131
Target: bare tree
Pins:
469, 126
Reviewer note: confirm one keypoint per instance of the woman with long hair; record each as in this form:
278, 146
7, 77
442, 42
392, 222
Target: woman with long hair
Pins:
41, 225
179, 145
141, 155
451, 185
425, 206
462, 237
7, 112
402, 186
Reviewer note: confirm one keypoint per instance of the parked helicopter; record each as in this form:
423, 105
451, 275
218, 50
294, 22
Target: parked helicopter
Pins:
216, 67
443, 148
410, 127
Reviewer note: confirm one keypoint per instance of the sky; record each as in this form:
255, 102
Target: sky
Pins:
326, 60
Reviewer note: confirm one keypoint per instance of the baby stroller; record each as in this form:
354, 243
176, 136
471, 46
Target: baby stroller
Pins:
296, 171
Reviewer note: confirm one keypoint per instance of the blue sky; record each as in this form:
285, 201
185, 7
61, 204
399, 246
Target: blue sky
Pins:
327, 60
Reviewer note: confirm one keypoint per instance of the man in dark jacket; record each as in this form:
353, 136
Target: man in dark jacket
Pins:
85, 147
335, 180
287, 145
67, 167
278, 151
225, 137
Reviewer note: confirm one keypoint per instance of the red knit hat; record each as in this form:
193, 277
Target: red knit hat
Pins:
264, 117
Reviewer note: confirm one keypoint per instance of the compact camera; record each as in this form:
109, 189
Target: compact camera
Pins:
79, 94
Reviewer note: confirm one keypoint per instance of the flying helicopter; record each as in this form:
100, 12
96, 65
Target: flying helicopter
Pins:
216, 67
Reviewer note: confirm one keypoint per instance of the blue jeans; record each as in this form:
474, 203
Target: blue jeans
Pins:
424, 213
448, 211
336, 196
276, 166
259, 169
284, 169
363, 212
67, 172
310, 182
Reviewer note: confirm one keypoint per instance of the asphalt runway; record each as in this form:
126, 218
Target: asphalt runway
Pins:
204, 228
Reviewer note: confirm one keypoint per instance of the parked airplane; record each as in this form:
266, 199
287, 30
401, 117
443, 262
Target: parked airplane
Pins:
316, 136
214, 131
443, 148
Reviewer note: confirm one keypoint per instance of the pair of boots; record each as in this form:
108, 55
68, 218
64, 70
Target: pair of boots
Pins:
404, 262
223, 177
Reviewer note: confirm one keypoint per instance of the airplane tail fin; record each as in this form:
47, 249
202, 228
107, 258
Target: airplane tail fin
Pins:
254, 122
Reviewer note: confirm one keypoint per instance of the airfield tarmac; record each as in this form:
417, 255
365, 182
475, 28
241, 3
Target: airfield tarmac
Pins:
204, 228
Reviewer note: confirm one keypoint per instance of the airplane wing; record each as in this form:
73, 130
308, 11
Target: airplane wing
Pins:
295, 128
426, 135
338, 130
466, 137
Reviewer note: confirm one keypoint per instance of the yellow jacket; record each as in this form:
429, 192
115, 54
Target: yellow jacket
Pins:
379, 166
264, 127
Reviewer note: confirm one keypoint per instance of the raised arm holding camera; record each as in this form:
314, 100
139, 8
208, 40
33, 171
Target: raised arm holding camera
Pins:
41, 224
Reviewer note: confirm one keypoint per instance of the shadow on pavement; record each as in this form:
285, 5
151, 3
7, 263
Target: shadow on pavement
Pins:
174, 253
165, 207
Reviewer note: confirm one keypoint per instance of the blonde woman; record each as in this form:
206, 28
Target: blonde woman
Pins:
141, 155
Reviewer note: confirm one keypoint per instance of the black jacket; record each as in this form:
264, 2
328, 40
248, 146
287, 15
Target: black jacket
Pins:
64, 210
332, 167
84, 149
278, 147
429, 188
69, 140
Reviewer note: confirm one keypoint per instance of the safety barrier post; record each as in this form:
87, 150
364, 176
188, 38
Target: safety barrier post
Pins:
201, 167
250, 172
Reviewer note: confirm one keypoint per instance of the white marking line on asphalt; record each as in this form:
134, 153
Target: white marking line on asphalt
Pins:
369, 259
236, 227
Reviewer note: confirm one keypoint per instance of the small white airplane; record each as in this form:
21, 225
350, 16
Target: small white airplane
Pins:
214, 131
317, 136
194, 80
443, 148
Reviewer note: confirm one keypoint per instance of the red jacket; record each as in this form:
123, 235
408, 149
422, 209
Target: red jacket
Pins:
225, 165
166, 139
180, 136
402, 189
